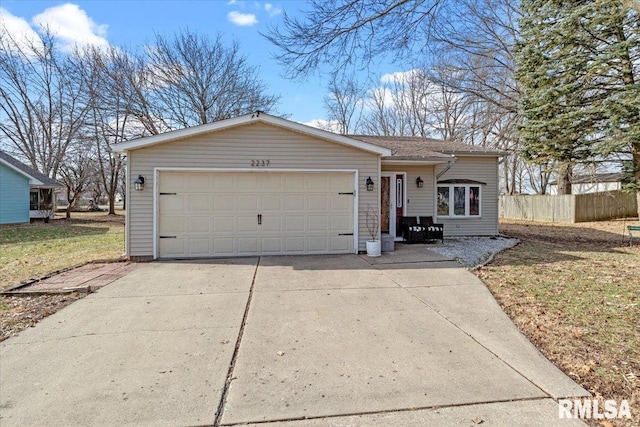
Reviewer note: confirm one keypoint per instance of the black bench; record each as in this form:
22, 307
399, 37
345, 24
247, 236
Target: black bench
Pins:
421, 229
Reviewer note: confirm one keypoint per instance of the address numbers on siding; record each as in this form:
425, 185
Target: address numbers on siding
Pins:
260, 163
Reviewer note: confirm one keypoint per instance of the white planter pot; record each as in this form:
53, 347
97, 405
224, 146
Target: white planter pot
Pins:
374, 248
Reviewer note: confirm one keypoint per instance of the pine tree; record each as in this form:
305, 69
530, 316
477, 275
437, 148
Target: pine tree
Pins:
578, 65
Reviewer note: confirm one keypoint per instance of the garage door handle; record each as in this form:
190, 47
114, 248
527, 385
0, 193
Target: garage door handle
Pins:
168, 237
345, 234
259, 219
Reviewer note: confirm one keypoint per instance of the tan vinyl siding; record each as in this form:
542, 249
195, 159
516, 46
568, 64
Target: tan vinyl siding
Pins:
483, 169
234, 149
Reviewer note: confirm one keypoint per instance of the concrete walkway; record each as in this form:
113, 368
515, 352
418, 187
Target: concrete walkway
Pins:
327, 340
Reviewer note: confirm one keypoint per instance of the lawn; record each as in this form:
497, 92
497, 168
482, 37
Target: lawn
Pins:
33, 250
574, 291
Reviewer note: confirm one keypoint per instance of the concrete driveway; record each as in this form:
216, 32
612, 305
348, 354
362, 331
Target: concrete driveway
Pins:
329, 340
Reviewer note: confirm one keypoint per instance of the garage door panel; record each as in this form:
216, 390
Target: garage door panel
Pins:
216, 214
172, 247
317, 203
248, 182
247, 202
224, 246
294, 244
199, 247
295, 223
199, 202
223, 224
172, 204
292, 182
271, 203
199, 224
294, 202
247, 224
173, 182
272, 245
247, 245
198, 182
224, 183
341, 223
318, 244
341, 202
172, 224
341, 243
223, 203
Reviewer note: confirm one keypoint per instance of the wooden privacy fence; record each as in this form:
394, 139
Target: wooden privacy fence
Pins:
570, 208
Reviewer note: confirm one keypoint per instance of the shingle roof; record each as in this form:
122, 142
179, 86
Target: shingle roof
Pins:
27, 170
417, 148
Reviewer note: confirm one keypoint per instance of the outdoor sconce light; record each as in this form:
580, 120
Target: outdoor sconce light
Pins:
369, 184
419, 182
138, 184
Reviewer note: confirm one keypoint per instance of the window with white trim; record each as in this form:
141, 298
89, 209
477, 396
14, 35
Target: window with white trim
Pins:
459, 201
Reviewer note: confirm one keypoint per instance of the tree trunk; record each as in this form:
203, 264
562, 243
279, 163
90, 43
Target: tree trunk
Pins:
638, 203
564, 178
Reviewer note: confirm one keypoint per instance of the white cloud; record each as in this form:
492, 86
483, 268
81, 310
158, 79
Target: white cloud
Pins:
271, 10
242, 19
72, 26
19, 30
328, 125
230, 2
400, 76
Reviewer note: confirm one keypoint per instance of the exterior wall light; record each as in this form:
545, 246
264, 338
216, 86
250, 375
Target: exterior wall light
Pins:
138, 184
369, 183
419, 182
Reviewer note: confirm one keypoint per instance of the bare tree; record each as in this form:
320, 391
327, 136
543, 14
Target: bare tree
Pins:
41, 110
197, 80
350, 34
345, 102
111, 112
75, 174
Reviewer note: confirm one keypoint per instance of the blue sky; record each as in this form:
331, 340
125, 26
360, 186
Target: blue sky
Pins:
132, 23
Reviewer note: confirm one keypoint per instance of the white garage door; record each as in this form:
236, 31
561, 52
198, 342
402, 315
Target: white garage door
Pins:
207, 214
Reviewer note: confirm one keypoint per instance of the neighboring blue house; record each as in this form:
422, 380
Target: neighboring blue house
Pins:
25, 193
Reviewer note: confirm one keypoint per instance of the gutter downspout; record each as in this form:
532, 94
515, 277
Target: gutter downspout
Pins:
443, 171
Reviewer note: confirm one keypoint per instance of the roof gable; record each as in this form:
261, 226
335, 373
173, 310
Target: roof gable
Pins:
35, 177
248, 119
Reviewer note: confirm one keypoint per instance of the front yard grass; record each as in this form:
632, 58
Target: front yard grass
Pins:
574, 291
33, 250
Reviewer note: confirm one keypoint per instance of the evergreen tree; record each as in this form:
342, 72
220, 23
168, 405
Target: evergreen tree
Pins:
578, 64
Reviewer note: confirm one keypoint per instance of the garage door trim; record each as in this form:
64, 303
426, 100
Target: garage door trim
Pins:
157, 170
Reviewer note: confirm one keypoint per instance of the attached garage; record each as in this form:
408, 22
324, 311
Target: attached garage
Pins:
251, 185
225, 213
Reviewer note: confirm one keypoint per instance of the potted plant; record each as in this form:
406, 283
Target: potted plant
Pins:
374, 245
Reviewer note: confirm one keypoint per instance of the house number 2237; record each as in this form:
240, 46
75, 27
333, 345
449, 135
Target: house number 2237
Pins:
259, 163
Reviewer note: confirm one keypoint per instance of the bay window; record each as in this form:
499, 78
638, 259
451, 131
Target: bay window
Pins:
459, 201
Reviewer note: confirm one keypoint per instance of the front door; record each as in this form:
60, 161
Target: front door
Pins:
392, 203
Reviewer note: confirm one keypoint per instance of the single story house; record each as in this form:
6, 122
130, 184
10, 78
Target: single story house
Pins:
592, 183
25, 193
261, 185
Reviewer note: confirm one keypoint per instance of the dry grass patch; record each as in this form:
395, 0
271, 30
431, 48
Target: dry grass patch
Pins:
33, 250
574, 291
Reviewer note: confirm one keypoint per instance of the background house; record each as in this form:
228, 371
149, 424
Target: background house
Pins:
25, 193
592, 183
